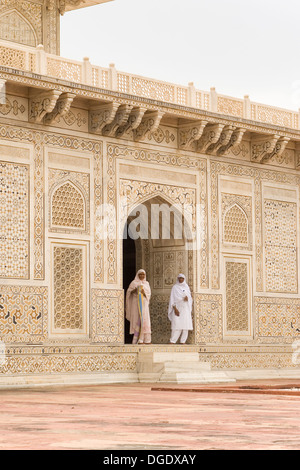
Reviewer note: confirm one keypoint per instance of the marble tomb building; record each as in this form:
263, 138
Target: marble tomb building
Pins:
78, 139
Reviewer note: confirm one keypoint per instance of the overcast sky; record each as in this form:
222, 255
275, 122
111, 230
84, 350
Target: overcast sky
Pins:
240, 47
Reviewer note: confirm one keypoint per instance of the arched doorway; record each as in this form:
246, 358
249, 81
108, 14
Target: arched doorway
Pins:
162, 257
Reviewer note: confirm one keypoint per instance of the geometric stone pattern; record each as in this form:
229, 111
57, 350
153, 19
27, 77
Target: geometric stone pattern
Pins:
237, 314
14, 221
23, 314
278, 318
281, 246
107, 316
68, 288
39, 188
208, 318
23, 135
67, 362
12, 58
98, 199
249, 360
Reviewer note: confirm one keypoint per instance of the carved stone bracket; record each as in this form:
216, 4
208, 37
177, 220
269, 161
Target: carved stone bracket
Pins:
150, 123
42, 104
189, 135
101, 116
62, 4
61, 108
120, 120
217, 147
134, 120
235, 140
210, 136
263, 151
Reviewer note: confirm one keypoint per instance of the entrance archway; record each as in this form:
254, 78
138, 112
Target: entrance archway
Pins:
162, 258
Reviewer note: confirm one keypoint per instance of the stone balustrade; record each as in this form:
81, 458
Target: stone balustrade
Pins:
36, 60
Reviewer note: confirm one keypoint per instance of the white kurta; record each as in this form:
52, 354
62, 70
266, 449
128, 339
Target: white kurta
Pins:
184, 321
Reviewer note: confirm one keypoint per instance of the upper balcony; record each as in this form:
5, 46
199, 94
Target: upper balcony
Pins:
36, 60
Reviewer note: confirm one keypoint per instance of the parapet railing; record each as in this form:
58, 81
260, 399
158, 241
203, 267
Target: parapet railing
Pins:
36, 60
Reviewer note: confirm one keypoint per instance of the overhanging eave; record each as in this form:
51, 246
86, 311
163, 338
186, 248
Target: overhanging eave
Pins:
70, 5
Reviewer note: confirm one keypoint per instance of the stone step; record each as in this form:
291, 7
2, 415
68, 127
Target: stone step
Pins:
187, 366
177, 367
160, 357
195, 377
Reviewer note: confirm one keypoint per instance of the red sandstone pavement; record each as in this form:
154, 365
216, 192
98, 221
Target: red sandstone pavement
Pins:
135, 417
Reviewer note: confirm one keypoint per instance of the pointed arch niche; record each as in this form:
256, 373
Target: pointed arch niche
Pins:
235, 226
68, 207
162, 258
16, 28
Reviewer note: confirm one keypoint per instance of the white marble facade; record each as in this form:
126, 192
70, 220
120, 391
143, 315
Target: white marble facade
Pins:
67, 149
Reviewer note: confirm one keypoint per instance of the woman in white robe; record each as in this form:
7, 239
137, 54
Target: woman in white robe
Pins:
180, 310
137, 308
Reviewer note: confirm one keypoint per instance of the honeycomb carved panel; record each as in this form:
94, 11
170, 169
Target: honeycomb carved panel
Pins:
14, 221
68, 208
237, 220
236, 226
68, 288
69, 201
237, 302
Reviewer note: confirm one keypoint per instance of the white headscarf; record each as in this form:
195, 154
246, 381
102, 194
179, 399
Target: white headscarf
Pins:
137, 278
179, 291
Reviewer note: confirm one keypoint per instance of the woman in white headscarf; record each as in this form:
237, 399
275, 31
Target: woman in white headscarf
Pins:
180, 310
137, 308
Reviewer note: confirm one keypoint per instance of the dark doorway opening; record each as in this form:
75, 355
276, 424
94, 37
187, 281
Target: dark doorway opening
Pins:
129, 272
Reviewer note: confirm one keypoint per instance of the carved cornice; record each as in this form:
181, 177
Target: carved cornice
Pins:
263, 151
28, 79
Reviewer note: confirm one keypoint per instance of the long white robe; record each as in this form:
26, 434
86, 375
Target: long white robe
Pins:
178, 293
